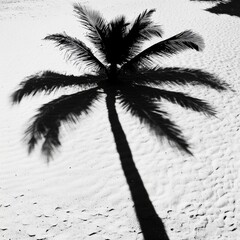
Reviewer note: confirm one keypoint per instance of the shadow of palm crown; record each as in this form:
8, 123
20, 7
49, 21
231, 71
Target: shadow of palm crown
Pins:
229, 7
121, 69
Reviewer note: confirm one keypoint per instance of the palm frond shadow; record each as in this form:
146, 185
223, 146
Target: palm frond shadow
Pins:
138, 92
49, 81
231, 7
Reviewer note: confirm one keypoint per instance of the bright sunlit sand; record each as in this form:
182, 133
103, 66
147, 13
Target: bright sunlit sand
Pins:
82, 193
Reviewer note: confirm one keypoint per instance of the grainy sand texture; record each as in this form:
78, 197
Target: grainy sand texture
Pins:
83, 193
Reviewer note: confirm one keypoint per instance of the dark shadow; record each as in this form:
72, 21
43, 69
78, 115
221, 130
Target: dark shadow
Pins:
126, 73
151, 225
213, 1
139, 93
231, 8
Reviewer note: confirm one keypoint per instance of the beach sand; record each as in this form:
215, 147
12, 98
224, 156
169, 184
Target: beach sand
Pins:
82, 193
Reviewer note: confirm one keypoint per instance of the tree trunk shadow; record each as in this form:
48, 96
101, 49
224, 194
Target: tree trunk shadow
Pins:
151, 225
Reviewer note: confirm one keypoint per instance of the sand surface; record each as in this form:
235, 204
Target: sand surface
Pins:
83, 193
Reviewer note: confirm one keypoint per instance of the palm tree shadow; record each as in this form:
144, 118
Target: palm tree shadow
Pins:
142, 95
231, 8
151, 224
120, 71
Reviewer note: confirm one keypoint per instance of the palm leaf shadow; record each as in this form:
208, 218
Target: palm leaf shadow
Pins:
231, 7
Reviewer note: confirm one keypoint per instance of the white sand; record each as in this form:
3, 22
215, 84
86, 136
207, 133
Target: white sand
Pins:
83, 193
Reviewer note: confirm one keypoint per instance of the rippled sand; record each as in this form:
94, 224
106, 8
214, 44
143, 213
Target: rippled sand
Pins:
83, 193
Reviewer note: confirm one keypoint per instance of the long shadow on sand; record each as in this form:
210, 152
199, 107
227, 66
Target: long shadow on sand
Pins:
231, 8
68, 108
151, 225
